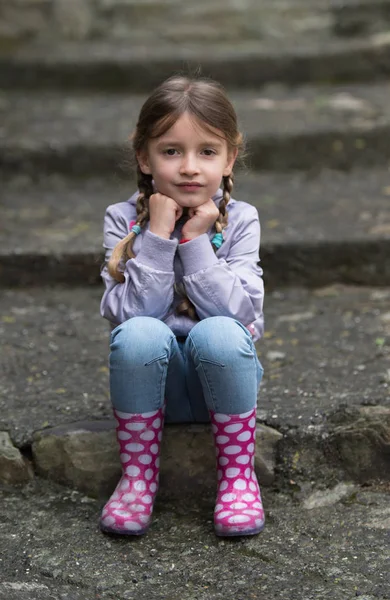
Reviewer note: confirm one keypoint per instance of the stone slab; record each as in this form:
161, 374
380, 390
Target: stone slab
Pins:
316, 230
139, 67
322, 350
52, 549
308, 128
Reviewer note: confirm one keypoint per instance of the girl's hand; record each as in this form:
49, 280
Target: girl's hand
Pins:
201, 219
164, 212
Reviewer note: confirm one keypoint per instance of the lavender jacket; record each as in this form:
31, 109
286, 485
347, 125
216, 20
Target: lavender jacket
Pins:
228, 283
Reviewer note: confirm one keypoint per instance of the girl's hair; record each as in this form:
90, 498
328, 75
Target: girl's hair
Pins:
207, 101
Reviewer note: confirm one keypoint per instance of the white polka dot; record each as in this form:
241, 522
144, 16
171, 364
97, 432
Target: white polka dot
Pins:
238, 505
132, 525
137, 507
145, 459
121, 513
240, 484
223, 486
233, 428
214, 428
157, 463
147, 435
244, 436
123, 435
223, 514
254, 476
252, 422
250, 447
135, 447
239, 519
128, 497
248, 497
125, 457
257, 505
222, 439
219, 474
252, 512
232, 449
252, 486
220, 418
247, 473
243, 460
149, 474
156, 423
147, 499
154, 448
218, 507
115, 496
117, 423
144, 518
246, 414
223, 461
108, 521
228, 497
122, 415
137, 426
153, 487
232, 472
140, 486
147, 415
259, 522
125, 484
115, 505
133, 470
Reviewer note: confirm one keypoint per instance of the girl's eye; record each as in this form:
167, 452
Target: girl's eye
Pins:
209, 152
170, 151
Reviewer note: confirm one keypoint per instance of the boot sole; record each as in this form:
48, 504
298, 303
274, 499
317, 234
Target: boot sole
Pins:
112, 531
227, 533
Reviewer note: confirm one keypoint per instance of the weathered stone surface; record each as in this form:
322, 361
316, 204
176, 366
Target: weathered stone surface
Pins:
85, 456
328, 497
14, 468
362, 443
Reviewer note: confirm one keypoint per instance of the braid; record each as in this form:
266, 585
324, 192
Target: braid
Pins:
223, 216
124, 249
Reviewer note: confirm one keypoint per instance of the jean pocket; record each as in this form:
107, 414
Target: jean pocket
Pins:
163, 357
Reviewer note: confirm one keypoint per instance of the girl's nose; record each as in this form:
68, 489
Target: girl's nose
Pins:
189, 165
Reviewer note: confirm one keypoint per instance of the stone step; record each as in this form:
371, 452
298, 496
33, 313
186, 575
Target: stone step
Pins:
323, 409
315, 230
182, 22
138, 67
52, 548
308, 127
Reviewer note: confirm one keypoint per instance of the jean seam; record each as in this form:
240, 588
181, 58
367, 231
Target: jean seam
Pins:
209, 387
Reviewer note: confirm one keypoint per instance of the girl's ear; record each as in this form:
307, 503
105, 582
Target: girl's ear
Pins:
143, 162
231, 159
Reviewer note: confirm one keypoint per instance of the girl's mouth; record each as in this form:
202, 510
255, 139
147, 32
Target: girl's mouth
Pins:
189, 186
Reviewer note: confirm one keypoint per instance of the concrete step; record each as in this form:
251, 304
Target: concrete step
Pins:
315, 230
309, 127
138, 67
182, 22
325, 389
52, 548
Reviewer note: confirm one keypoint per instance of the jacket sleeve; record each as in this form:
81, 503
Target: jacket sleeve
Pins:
149, 278
230, 287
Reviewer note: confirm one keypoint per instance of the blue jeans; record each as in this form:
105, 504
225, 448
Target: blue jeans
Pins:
215, 368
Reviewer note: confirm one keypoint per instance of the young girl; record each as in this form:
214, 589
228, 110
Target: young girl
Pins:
185, 294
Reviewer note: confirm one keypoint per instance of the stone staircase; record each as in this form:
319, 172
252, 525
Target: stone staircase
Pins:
309, 82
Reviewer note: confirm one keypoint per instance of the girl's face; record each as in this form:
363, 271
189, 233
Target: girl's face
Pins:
187, 162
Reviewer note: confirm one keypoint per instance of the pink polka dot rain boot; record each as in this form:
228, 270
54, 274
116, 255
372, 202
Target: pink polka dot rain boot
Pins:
239, 509
129, 510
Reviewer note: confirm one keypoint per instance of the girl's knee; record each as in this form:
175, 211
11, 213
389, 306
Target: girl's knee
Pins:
220, 338
140, 340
